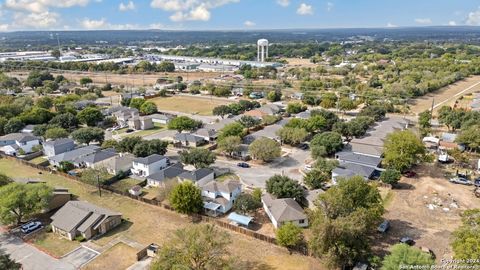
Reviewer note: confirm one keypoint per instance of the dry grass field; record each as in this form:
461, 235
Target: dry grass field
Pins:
188, 104
120, 256
146, 223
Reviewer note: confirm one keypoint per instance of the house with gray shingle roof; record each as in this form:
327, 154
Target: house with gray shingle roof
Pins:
83, 218
74, 155
94, 159
347, 170
281, 211
58, 146
149, 165
158, 179
13, 143
199, 177
189, 140
218, 197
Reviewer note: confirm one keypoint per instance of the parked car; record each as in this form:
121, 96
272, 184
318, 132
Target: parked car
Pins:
477, 182
31, 226
407, 240
129, 130
304, 146
383, 228
460, 180
410, 174
243, 165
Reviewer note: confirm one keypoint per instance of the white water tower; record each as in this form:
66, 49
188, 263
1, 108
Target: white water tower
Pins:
262, 50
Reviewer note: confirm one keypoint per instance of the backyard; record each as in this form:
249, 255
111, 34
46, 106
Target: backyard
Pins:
125, 184
146, 223
187, 104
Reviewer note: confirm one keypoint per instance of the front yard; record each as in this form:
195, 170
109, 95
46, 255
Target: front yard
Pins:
54, 244
120, 256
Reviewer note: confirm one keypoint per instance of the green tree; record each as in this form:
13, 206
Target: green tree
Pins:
64, 120
166, 67
402, 150
136, 103
45, 102
315, 179
343, 221
110, 144
186, 198
150, 147
4, 180
275, 95
466, 238
182, 123
402, 254
326, 143
90, 116
424, 122
265, 149
198, 157
95, 176
470, 136
200, 247
346, 104
390, 176
232, 129
245, 203
289, 235
328, 100
88, 135
56, 53
148, 108
22, 201
56, 133
13, 125
126, 145
221, 110
284, 187
257, 194
66, 166
230, 144
249, 121
85, 80
292, 136
7, 263
295, 107
36, 115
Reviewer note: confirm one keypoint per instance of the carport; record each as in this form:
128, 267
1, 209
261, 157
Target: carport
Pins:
240, 219
211, 208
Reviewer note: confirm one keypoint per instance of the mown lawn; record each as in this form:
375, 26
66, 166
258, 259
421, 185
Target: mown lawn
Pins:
54, 244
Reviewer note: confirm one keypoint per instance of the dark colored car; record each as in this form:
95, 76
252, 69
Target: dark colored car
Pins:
407, 240
477, 182
383, 228
243, 165
410, 174
129, 130
304, 146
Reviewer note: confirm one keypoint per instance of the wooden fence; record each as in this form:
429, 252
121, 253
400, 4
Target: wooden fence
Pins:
199, 217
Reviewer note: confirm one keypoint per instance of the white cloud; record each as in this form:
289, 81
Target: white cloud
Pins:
423, 21
156, 26
249, 24
4, 27
391, 25
126, 7
330, 6
452, 23
190, 10
283, 3
473, 17
305, 9
35, 20
91, 24
39, 6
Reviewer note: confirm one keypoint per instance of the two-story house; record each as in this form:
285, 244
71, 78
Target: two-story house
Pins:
149, 165
219, 197
14, 144
58, 146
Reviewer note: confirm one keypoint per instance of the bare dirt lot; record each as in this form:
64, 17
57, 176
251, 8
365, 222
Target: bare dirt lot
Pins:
446, 95
426, 208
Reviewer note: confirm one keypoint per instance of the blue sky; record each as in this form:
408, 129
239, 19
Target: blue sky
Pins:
232, 14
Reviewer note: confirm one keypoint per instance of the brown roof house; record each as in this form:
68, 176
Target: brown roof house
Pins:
281, 211
83, 218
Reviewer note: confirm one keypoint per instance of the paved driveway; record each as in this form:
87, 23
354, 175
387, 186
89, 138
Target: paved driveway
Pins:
80, 256
30, 257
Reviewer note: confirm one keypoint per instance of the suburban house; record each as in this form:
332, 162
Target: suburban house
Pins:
28, 129
149, 165
77, 218
199, 177
356, 158
73, 156
310, 196
158, 179
267, 132
208, 134
161, 118
58, 146
347, 170
219, 197
189, 140
14, 144
123, 114
447, 142
281, 211
140, 123
118, 163
94, 159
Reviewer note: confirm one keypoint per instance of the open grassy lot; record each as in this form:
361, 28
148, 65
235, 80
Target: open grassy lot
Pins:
54, 244
150, 224
125, 184
118, 257
192, 105
142, 133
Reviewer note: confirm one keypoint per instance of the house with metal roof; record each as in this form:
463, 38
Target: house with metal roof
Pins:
77, 218
149, 165
199, 177
281, 211
218, 197
58, 146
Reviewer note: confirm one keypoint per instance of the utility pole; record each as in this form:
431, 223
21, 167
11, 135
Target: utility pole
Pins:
431, 111
98, 184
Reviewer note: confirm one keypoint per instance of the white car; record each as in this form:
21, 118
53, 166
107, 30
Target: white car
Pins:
31, 226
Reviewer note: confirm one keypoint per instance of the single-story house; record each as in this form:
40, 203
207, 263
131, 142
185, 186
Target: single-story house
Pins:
28, 129
199, 177
281, 211
94, 160
189, 140
161, 118
158, 179
58, 146
219, 197
83, 218
72, 156
149, 165
347, 170
357, 158
14, 143
208, 134
118, 163
140, 123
